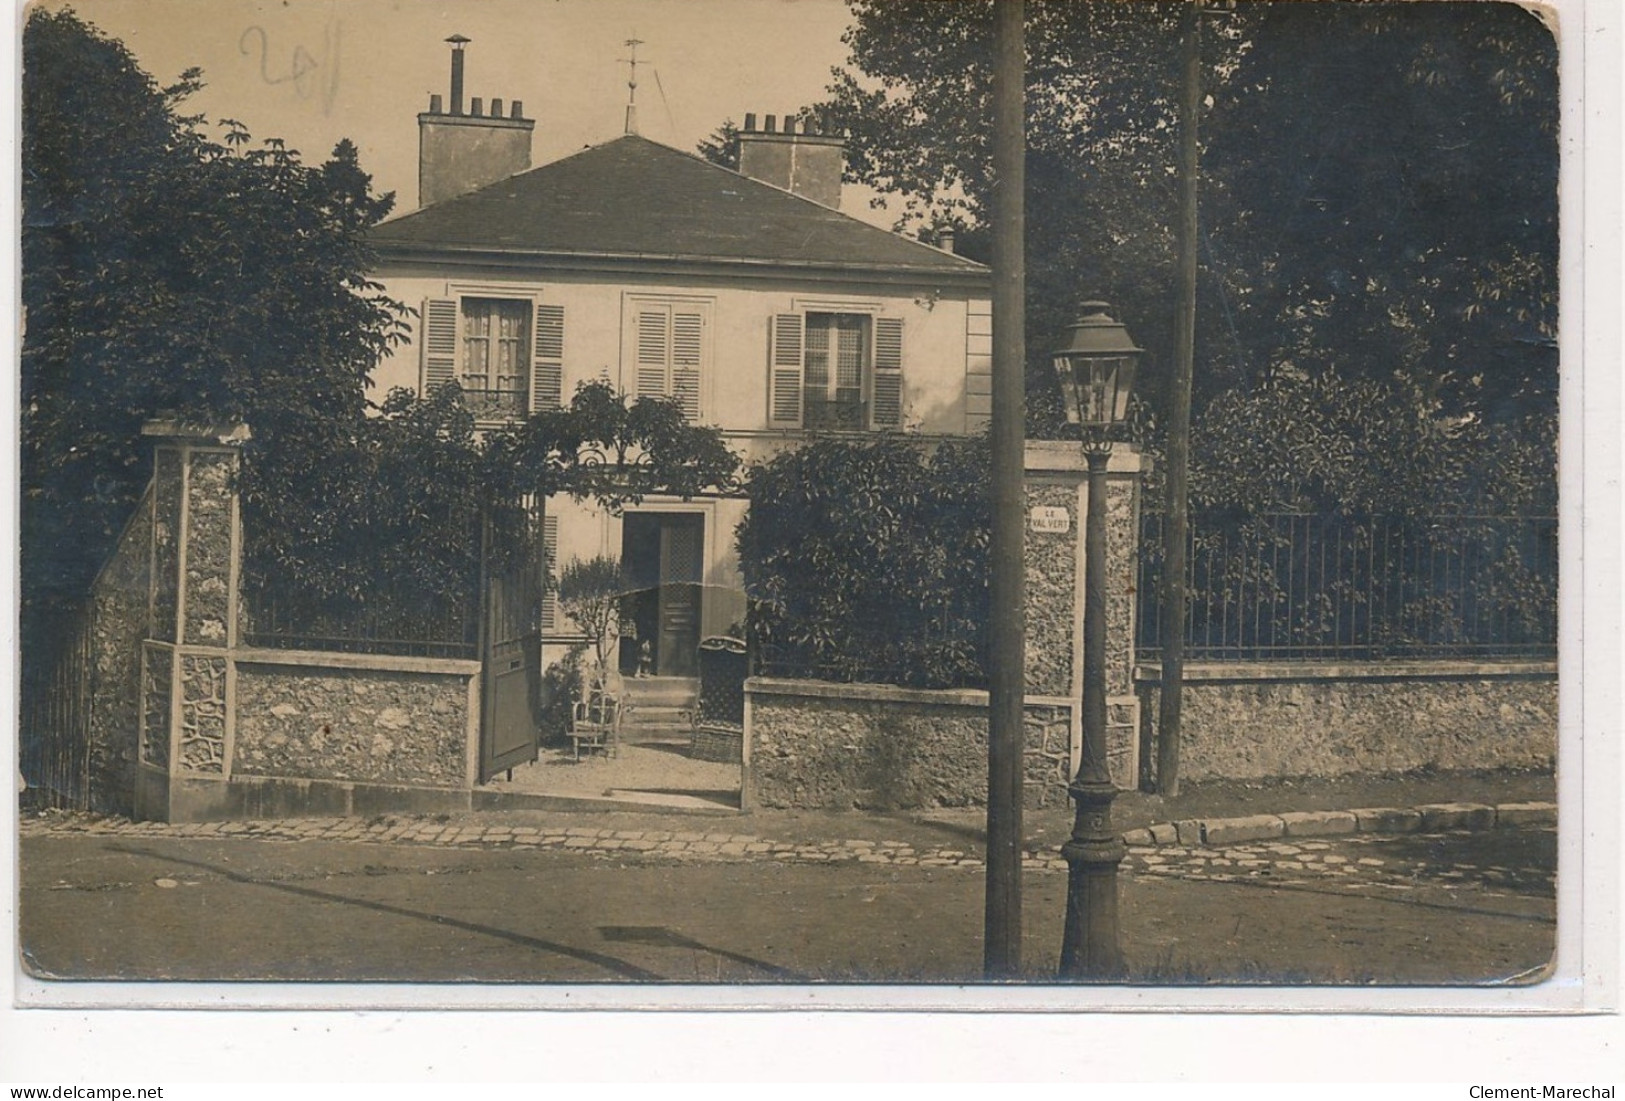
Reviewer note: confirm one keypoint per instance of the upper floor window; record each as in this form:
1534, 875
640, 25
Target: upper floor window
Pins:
507, 354
832, 370
669, 341
496, 356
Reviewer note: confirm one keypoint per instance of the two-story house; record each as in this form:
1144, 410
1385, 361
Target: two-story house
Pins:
747, 296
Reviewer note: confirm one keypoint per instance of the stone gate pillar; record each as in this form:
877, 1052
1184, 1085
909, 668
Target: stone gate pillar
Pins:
1057, 496
185, 730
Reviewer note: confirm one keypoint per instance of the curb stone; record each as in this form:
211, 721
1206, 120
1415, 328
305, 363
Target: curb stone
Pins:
1456, 816
589, 841
1429, 817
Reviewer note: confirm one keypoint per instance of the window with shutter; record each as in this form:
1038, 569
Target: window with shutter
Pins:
496, 357
835, 361
886, 408
439, 343
785, 340
550, 555
653, 352
668, 342
835, 371
547, 360
687, 336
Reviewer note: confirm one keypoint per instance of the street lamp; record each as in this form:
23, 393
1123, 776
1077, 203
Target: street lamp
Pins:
1096, 369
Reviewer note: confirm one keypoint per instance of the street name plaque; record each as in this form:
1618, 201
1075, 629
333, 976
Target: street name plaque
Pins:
1051, 518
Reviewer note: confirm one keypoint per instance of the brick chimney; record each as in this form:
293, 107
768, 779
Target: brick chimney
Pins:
807, 163
459, 153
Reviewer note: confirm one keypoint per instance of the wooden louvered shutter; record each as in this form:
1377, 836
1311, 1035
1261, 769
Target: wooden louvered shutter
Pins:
439, 343
784, 370
653, 346
550, 555
687, 338
886, 409
547, 359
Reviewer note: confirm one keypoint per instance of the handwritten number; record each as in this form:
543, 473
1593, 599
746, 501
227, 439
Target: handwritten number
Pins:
301, 65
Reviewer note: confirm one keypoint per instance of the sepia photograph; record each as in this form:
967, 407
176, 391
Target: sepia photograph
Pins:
752, 494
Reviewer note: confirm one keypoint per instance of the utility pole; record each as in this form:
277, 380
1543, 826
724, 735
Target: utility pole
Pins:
1176, 512
1001, 956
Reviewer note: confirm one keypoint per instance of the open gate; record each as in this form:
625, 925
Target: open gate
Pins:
510, 640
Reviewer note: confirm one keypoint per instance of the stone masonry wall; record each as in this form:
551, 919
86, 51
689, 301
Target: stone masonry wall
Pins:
346, 724
885, 748
1122, 567
166, 535
1300, 727
1052, 604
208, 548
118, 624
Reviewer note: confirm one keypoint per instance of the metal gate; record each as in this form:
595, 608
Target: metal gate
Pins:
510, 640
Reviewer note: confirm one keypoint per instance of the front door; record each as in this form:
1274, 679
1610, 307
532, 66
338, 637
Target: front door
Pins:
663, 556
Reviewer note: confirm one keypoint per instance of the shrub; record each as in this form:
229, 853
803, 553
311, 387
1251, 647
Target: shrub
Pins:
868, 561
590, 592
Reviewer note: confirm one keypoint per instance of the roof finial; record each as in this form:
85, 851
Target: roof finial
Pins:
632, 84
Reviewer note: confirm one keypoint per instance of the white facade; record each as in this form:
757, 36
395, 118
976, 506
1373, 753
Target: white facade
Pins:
740, 352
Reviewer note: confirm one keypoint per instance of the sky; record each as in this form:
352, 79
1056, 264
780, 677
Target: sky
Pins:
314, 71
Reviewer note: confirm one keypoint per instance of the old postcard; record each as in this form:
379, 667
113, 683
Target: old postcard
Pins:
617, 501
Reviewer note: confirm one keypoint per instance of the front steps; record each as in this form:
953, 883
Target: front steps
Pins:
658, 709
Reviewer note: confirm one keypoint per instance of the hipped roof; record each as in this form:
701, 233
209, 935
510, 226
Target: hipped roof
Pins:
635, 199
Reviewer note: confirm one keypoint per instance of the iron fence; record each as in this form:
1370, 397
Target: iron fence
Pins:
385, 622
1296, 585
54, 730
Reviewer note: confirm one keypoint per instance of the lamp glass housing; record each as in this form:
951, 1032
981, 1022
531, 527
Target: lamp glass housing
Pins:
1096, 387
1096, 369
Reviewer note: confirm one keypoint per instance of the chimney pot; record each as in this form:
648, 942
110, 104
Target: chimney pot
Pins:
476, 106
457, 43
496, 107
434, 105
807, 161
945, 238
516, 109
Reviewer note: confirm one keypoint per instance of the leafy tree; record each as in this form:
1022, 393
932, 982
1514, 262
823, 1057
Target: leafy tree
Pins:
164, 270
868, 561
1379, 182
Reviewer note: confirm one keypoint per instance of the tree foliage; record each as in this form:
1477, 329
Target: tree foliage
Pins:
165, 270
721, 147
399, 505
1378, 188
868, 561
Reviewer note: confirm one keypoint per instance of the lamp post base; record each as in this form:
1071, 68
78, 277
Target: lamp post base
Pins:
1089, 945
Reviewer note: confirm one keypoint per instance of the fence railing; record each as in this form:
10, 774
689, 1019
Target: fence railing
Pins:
55, 715
1293, 585
401, 624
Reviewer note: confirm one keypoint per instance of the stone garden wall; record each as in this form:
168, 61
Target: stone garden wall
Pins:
369, 725
197, 726
1244, 721
118, 624
880, 747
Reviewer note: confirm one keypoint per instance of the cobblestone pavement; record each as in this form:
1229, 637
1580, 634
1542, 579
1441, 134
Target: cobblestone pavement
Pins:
1397, 862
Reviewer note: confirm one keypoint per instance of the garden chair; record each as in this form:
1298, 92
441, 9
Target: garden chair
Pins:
595, 722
